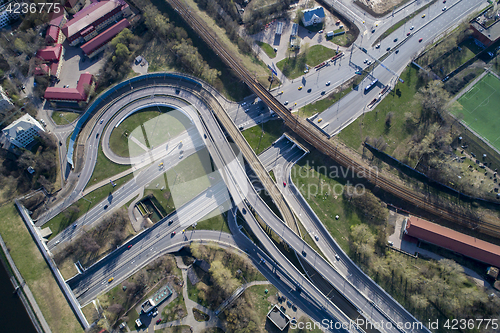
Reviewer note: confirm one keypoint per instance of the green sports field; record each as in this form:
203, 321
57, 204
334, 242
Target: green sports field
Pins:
480, 109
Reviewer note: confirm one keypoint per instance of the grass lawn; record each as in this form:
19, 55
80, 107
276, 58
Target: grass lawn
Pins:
260, 139
271, 173
479, 108
183, 182
104, 168
268, 49
90, 312
151, 127
315, 185
217, 223
323, 104
446, 64
176, 309
79, 208
400, 101
193, 292
293, 67
37, 274
64, 118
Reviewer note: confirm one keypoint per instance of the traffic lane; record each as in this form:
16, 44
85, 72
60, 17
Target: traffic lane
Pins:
162, 231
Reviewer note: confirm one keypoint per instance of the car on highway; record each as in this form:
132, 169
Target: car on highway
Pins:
337, 257
420, 40
388, 49
328, 83
97, 136
105, 206
75, 225
358, 72
316, 238
300, 87
412, 27
364, 62
408, 34
423, 15
244, 211
395, 40
129, 247
284, 184
378, 46
304, 253
111, 279
323, 92
444, 8
397, 51
173, 234
373, 31
101, 121
286, 103
309, 90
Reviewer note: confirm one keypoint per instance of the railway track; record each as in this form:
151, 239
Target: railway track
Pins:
316, 139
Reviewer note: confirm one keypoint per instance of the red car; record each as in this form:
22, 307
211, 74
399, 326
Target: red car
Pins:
130, 246
158, 321
420, 40
284, 184
173, 233
408, 34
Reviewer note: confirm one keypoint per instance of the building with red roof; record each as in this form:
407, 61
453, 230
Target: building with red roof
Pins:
97, 44
79, 94
87, 23
52, 55
54, 33
452, 240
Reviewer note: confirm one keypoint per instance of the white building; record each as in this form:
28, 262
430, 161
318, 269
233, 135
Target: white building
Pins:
22, 132
313, 16
8, 13
5, 103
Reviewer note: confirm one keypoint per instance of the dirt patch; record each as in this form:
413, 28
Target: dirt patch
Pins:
379, 7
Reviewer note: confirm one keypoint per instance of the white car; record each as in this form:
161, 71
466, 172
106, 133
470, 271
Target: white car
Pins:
444, 8
328, 83
286, 102
412, 27
316, 238
101, 121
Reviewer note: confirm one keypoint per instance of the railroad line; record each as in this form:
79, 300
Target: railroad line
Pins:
319, 141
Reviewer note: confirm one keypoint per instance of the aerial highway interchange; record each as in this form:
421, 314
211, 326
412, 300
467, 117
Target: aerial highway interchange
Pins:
233, 190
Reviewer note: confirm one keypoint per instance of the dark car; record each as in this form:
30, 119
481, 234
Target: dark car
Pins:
129, 247
158, 321
388, 49
397, 51
309, 90
395, 40
244, 211
97, 136
105, 206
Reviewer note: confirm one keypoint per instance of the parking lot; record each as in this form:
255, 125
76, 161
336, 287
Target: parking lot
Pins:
75, 64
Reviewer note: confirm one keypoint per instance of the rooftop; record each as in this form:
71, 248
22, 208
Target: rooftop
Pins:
104, 37
88, 15
70, 94
278, 318
453, 240
50, 53
309, 13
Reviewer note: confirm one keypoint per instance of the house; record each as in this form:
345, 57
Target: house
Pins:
54, 33
5, 102
452, 240
313, 16
73, 95
52, 55
22, 132
73, 6
90, 21
97, 44
486, 29
278, 317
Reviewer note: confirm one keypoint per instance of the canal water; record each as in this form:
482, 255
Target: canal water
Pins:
13, 316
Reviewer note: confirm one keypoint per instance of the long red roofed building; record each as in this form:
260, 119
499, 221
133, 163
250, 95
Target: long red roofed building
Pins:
87, 23
453, 240
96, 44
75, 95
